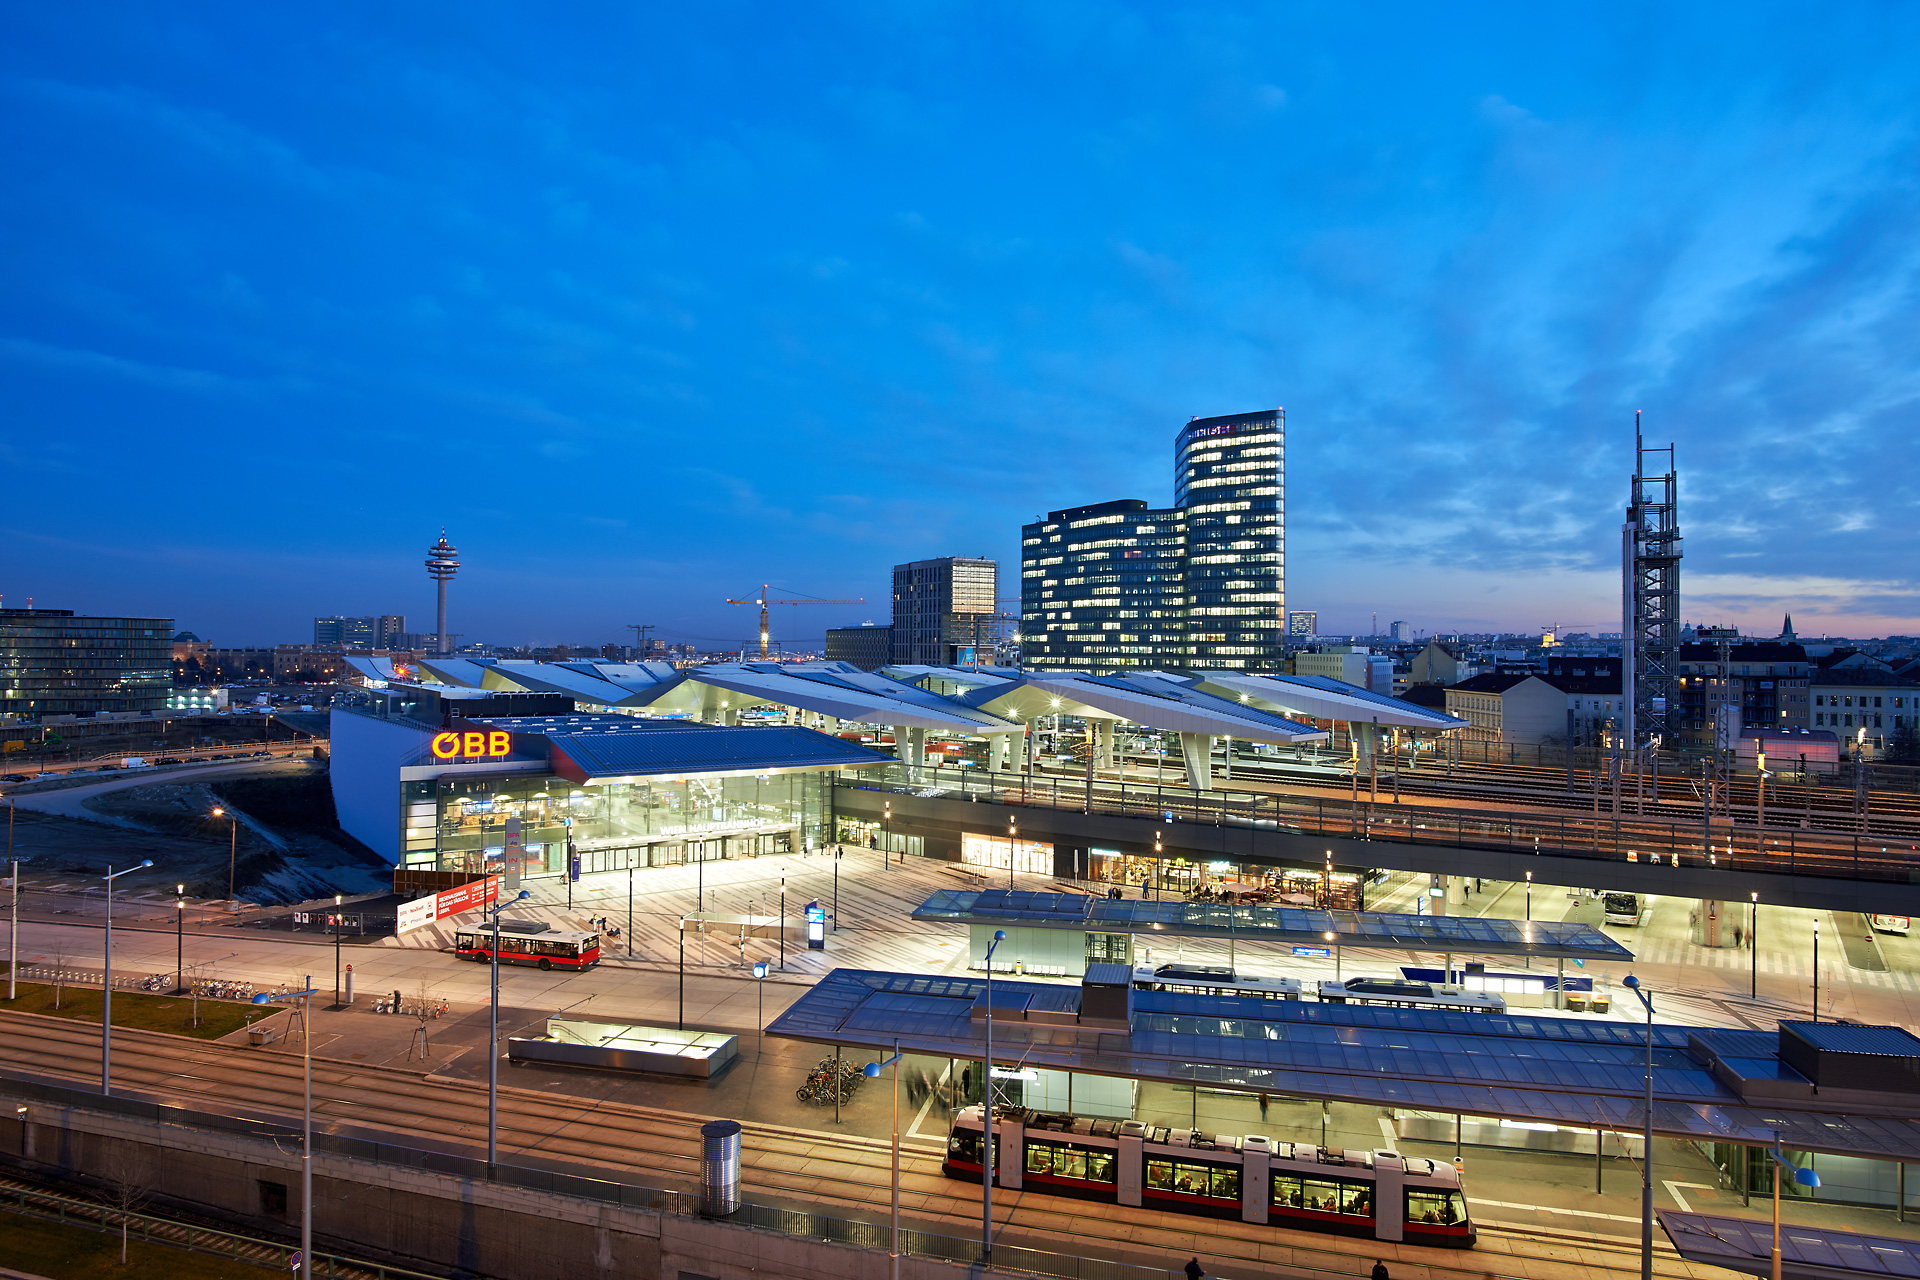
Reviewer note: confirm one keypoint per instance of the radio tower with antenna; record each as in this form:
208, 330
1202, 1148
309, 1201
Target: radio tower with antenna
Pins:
1650, 595
441, 566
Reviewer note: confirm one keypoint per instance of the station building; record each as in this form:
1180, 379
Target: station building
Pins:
471, 780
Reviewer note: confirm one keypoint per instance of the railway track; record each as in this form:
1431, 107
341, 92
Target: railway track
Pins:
833, 1173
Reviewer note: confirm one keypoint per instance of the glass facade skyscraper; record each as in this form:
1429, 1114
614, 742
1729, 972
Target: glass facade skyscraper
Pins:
1102, 587
943, 609
1202, 584
1229, 476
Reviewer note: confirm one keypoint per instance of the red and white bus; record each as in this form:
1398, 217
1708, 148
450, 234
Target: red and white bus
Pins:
547, 948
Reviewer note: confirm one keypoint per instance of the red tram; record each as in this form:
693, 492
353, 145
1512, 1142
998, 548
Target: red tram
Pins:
550, 949
1378, 1194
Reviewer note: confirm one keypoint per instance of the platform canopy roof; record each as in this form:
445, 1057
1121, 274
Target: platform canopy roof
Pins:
1152, 700
1322, 698
1268, 922
1543, 1069
1806, 1253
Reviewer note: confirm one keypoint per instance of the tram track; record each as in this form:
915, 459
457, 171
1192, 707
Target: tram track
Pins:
798, 1168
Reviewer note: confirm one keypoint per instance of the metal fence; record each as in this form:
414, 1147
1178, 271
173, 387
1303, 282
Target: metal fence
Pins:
17, 1197
1627, 838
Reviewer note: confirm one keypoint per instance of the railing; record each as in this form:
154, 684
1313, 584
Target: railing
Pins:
1779, 850
50, 1206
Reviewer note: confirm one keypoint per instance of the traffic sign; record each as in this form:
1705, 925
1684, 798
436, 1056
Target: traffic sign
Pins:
293, 1262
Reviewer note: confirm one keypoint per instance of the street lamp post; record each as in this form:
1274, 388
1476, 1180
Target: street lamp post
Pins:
683, 973
836, 888
872, 1071
1646, 1144
1801, 1177
986, 1115
179, 938
1013, 828
783, 923
1816, 968
886, 833
106, 985
629, 936
13, 915
336, 922
493, 1035
1753, 945
760, 1023
1334, 938
233, 844
305, 1269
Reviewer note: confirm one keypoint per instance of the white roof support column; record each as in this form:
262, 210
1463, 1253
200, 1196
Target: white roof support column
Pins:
1198, 750
1000, 752
1103, 744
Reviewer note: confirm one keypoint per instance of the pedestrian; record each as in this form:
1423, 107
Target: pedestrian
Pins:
1263, 1106
1380, 1271
966, 1083
1738, 940
1193, 1269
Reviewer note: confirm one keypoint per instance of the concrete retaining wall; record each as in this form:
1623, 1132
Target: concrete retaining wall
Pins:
410, 1217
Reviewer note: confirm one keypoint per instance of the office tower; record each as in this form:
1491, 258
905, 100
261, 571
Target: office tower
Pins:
1400, 632
1229, 476
53, 663
1103, 587
943, 609
385, 631
1302, 624
1201, 584
868, 648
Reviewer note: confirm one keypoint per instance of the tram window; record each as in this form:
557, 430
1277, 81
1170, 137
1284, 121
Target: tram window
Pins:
1192, 1179
1321, 1196
463, 941
1434, 1208
1099, 1166
964, 1147
1286, 1191
1356, 1198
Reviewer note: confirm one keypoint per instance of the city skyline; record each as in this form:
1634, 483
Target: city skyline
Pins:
287, 300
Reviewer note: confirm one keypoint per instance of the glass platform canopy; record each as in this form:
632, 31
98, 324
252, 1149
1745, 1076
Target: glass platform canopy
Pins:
1263, 922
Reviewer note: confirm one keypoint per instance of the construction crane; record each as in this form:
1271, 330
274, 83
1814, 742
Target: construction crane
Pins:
764, 601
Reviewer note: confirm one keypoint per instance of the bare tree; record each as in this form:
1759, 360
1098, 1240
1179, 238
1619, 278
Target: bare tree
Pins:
59, 950
127, 1189
425, 1009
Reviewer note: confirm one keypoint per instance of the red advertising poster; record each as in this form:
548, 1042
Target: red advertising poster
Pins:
468, 897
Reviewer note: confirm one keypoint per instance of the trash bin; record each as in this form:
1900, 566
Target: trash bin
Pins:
719, 1168
260, 1035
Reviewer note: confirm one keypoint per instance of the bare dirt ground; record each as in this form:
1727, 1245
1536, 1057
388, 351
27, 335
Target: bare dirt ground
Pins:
284, 845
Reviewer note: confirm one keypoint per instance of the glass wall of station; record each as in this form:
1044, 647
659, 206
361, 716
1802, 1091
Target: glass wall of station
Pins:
856, 833
462, 823
996, 852
1216, 879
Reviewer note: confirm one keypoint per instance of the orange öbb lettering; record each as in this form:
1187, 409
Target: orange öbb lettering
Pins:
497, 744
446, 745
473, 744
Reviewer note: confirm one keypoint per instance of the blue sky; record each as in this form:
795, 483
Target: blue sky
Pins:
651, 304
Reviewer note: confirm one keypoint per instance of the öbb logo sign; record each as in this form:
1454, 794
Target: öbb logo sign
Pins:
484, 746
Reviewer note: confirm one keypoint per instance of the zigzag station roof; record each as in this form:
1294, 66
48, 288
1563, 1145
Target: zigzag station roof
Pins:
1321, 698
836, 689
1152, 699
969, 701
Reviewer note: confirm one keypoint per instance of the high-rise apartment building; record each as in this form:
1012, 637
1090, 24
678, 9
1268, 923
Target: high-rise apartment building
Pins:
1200, 584
386, 631
943, 609
52, 663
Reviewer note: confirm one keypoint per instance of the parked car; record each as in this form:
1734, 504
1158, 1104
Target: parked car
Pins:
17, 777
